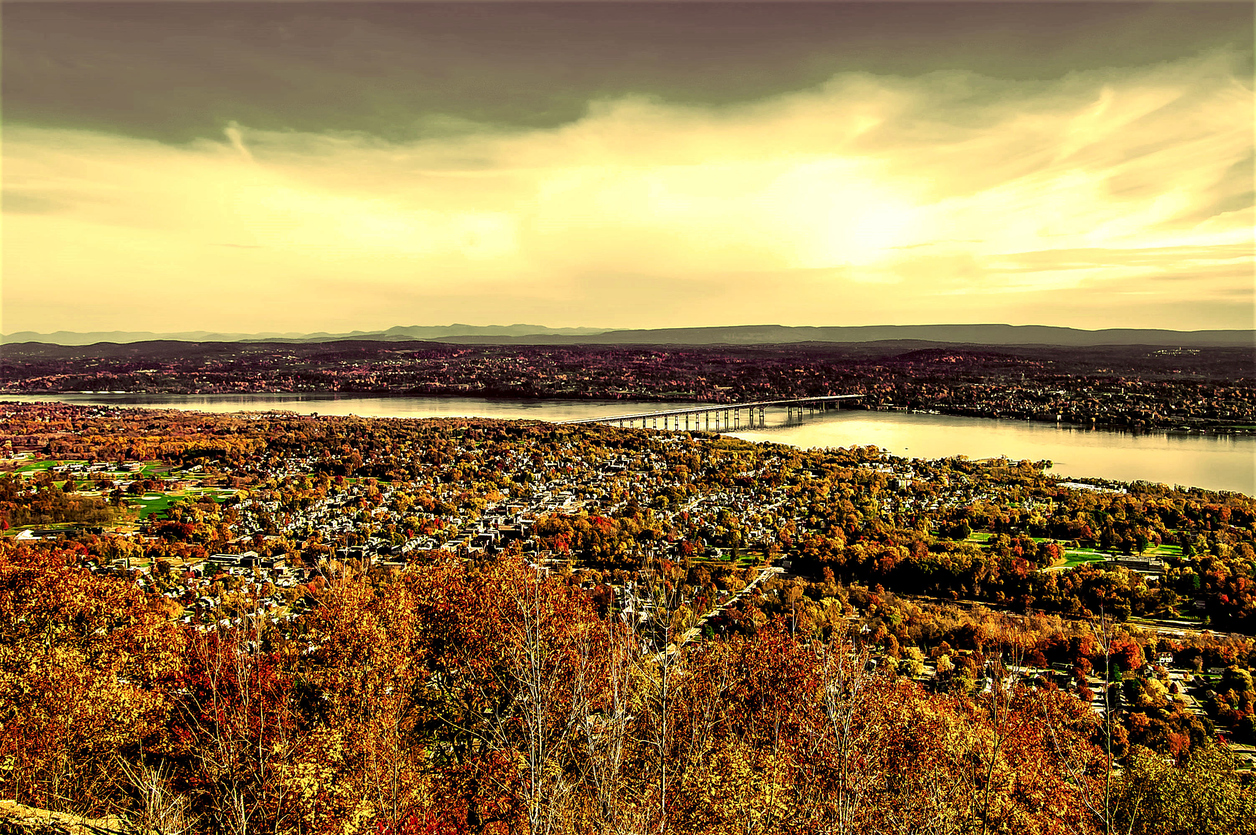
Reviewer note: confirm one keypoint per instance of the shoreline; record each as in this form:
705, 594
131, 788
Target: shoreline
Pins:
1238, 430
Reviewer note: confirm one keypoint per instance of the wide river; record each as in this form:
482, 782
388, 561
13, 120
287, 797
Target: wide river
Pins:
1214, 462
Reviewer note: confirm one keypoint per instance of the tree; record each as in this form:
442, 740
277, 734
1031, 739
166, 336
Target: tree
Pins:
362, 756
233, 729
1205, 794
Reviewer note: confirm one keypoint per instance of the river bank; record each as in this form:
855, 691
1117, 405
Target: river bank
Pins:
1213, 461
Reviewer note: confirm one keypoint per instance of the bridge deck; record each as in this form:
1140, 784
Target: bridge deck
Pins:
718, 407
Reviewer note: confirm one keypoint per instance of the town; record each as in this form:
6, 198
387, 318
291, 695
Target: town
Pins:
964, 578
1137, 388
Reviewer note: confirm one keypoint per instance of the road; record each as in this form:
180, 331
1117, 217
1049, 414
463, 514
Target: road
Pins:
696, 630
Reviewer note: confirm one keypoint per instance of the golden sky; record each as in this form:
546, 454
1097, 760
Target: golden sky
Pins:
1089, 196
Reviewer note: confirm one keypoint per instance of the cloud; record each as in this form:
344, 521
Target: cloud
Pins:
236, 138
944, 197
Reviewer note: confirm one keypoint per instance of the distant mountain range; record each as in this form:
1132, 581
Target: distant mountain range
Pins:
399, 333
952, 334
738, 335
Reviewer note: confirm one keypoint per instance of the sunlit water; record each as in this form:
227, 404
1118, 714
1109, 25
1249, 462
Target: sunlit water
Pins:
1215, 462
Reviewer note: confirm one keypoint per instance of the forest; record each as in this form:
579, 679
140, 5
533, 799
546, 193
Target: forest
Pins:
449, 626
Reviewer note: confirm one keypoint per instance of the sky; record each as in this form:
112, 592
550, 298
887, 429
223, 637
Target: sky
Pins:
335, 166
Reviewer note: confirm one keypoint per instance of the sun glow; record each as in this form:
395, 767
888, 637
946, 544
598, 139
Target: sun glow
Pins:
962, 191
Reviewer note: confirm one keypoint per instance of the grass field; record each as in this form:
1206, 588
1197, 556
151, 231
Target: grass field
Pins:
155, 503
36, 466
1077, 556
147, 504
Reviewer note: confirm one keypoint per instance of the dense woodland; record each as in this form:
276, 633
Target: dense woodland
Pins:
915, 670
1202, 389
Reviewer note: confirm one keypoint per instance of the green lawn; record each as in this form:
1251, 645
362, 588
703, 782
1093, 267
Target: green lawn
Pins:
218, 494
1076, 556
160, 502
36, 466
154, 503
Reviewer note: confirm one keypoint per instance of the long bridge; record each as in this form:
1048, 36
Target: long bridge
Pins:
727, 415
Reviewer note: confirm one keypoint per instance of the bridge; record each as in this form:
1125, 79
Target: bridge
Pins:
727, 415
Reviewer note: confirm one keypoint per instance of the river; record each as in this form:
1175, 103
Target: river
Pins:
1214, 462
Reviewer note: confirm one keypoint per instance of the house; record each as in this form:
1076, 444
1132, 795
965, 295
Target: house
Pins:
241, 560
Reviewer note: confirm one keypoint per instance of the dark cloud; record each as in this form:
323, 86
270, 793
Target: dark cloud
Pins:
294, 163
179, 71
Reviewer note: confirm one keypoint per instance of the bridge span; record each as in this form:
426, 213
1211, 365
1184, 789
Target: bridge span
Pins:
727, 415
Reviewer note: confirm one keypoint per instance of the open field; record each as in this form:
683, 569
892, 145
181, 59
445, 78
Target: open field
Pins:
1074, 557
47, 464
